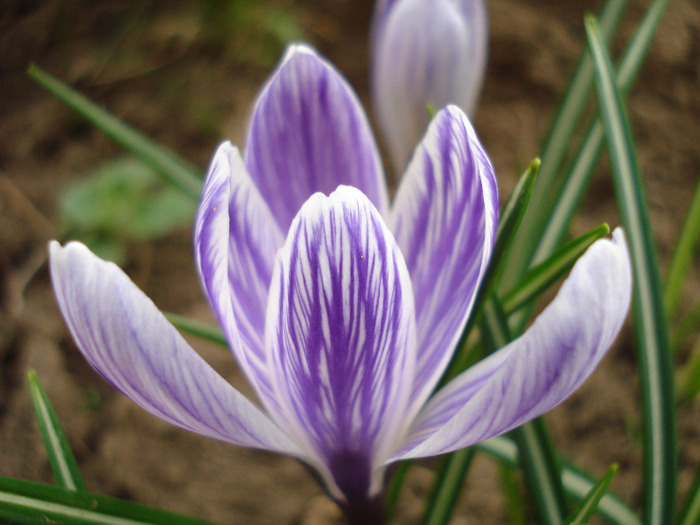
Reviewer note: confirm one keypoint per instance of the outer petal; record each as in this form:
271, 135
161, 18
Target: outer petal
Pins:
425, 52
127, 340
235, 240
310, 134
539, 370
341, 336
444, 219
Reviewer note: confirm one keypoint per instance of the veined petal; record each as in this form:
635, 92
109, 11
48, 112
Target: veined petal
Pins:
425, 52
539, 370
444, 218
235, 240
127, 341
341, 337
308, 134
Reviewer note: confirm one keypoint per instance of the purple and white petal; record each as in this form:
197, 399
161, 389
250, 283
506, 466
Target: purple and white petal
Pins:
382, 8
444, 218
127, 341
425, 53
341, 337
309, 134
235, 240
539, 370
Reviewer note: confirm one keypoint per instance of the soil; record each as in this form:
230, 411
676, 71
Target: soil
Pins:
155, 65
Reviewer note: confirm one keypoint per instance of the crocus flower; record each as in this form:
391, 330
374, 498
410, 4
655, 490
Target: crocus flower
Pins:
342, 311
424, 53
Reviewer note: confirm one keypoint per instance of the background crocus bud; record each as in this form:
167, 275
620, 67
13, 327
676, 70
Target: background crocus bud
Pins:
425, 54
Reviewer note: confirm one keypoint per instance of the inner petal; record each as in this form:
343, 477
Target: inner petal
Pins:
341, 335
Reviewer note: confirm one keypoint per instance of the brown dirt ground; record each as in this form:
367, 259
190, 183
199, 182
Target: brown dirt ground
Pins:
150, 64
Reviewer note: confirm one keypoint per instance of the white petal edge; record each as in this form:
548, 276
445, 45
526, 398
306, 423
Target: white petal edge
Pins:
444, 217
127, 340
235, 239
309, 133
539, 370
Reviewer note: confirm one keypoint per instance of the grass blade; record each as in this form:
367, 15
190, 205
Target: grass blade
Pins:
576, 484
28, 502
63, 463
173, 168
587, 507
579, 175
537, 457
449, 480
393, 489
555, 147
688, 376
515, 505
690, 515
654, 356
683, 255
545, 274
531, 285
197, 328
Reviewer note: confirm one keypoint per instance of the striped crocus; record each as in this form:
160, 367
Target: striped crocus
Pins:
424, 53
343, 311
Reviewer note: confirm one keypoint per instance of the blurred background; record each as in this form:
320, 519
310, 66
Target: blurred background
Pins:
186, 74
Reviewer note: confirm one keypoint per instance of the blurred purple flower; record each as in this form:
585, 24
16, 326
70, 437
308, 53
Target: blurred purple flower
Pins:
424, 52
342, 311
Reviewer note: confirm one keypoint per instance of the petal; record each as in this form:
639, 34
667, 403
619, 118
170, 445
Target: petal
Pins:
310, 134
235, 241
341, 336
539, 370
425, 52
444, 219
127, 341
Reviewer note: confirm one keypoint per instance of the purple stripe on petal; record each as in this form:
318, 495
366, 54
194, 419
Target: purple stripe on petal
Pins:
235, 241
308, 134
444, 219
341, 336
127, 340
540, 369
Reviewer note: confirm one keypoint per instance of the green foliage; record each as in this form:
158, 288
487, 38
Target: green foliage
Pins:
63, 463
583, 512
120, 201
654, 352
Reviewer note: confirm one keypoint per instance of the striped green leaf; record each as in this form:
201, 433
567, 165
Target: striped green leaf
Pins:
654, 354
588, 505
27, 502
173, 168
63, 463
576, 484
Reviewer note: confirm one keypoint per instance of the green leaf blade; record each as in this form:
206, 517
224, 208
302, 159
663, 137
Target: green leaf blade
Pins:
201, 329
555, 147
566, 197
176, 170
690, 515
683, 255
29, 502
576, 484
656, 379
588, 505
537, 456
449, 481
545, 274
63, 463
